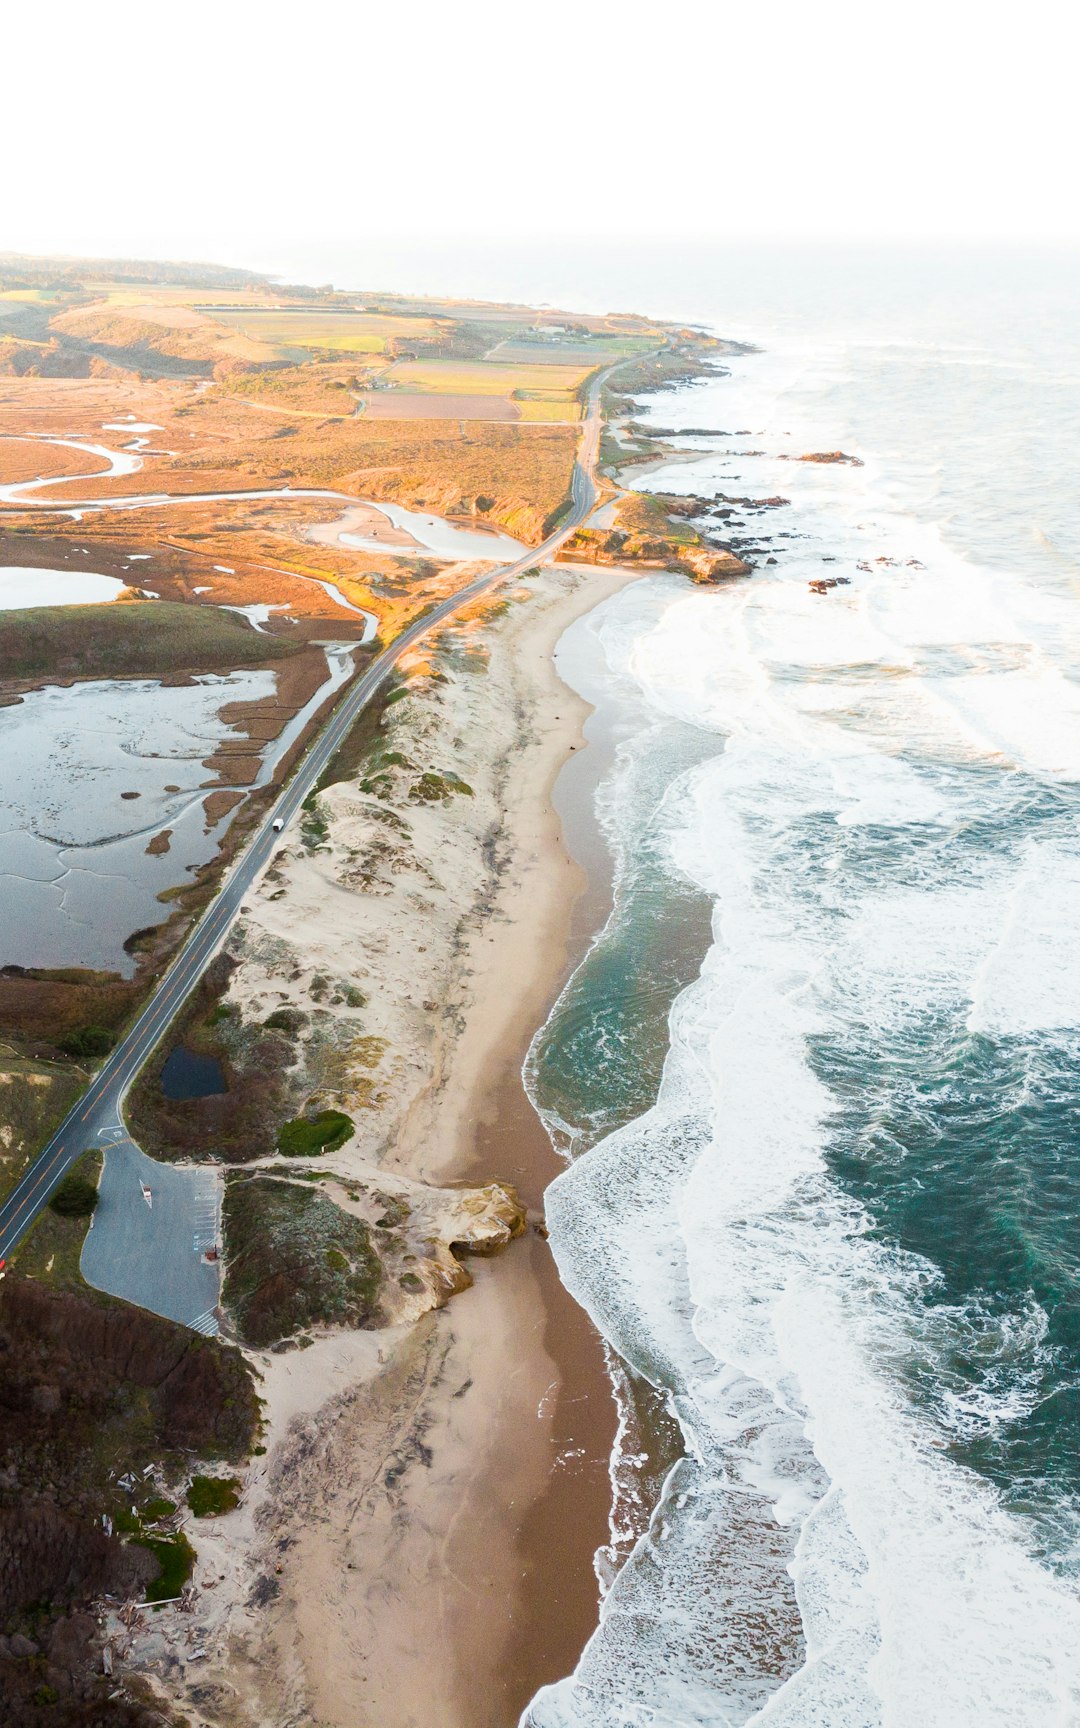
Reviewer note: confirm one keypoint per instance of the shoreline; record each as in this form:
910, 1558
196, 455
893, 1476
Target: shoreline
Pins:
416, 1527
497, 1128
551, 1444
418, 1540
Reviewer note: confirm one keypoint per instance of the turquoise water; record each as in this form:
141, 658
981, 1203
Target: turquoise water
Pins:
962, 1149
597, 1062
825, 1188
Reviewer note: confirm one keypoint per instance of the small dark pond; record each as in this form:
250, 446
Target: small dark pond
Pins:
188, 1075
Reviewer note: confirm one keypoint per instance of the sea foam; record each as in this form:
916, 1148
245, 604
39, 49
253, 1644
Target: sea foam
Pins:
887, 828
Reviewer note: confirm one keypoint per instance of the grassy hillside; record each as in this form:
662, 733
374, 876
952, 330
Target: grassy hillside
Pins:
137, 640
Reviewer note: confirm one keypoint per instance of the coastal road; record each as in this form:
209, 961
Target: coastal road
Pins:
96, 1119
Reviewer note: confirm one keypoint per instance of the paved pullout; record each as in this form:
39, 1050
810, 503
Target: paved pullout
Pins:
150, 1236
161, 1276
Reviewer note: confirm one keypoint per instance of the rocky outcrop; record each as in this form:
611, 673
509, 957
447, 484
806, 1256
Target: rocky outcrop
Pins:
709, 567
484, 1220
444, 1226
360, 1253
657, 530
827, 456
695, 559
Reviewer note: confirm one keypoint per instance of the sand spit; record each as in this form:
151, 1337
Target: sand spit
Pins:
372, 1577
365, 521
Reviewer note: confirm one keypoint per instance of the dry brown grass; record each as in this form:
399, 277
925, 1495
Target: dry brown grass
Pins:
434, 464
78, 407
323, 388
29, 459
172, 332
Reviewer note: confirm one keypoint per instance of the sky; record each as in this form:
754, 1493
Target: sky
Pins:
264, 134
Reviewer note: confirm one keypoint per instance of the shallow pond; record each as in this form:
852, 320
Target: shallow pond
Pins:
436, 535
186, 1074
91, 774
21, 585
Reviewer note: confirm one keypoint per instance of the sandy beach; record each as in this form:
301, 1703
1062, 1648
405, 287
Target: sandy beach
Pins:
416, 1544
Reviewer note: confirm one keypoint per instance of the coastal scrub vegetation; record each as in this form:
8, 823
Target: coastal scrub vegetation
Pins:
176, 1561
93, 1394
51, 1251
211, 1496
306, 1136
88, 1041
143, 639
294, 1260
314, 827
435, 788
34, 1098
235, 1125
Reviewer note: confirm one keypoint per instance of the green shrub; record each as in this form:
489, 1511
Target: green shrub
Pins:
157, 1509
210, 1496
76, 1197
176, 1557
88, 1041
314, 828
307, 1135
432, 788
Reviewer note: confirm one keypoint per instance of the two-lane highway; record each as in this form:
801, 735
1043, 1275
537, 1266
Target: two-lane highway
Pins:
96, 1118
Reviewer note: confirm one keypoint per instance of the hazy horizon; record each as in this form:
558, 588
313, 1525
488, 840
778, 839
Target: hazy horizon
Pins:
226, 141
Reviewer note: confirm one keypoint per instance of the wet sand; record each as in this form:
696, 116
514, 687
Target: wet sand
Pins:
519, 1469
567, 1520
420, 1534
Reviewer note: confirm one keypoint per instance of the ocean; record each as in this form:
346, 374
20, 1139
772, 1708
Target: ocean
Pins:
817, 1080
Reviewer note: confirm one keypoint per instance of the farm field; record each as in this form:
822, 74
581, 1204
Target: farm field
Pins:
202, 300
354, 332
487, 378
411, 405
27, 296
519, 351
